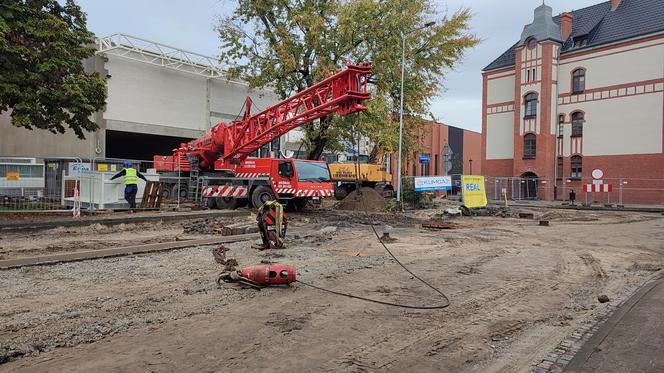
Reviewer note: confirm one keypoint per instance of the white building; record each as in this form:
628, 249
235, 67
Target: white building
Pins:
158, 97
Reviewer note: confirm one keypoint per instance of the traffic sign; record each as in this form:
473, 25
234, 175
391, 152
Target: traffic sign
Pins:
447, 158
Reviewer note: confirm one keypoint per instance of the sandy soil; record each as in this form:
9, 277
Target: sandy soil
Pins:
517, 289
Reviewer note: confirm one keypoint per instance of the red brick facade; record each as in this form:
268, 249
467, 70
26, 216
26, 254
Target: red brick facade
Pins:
639, 175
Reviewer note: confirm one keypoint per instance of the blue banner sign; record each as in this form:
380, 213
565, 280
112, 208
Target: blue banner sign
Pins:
423, 184
424, 159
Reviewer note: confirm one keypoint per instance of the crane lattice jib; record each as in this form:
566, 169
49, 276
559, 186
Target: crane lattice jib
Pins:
341, 94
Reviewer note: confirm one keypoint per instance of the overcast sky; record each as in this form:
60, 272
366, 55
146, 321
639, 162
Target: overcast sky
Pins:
189, 25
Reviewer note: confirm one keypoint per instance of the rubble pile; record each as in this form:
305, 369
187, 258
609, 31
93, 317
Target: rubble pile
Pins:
367, 200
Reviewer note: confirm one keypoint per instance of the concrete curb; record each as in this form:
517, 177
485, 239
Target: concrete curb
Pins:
596, 339
119, 251
575, 345
654, 210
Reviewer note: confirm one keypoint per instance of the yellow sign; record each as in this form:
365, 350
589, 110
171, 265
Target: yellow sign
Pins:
12, 176
102, 167
474, 194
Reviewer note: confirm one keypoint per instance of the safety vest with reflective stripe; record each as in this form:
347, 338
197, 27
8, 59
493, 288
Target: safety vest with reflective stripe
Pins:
130, 177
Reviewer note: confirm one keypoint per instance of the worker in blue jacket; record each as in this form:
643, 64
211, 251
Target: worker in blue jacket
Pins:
131, 176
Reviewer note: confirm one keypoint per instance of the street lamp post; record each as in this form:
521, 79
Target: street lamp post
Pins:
403, 69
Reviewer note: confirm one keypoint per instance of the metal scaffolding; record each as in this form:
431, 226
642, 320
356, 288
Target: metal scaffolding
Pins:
150, 52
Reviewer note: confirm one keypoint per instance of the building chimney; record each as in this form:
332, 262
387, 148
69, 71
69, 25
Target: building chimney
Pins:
566, 24
614, 4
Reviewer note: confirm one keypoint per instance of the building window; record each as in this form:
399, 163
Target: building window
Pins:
435, 166
561, 121
531, 106
414, 163
578, 81
532, 43
580, 41
529, 146
534, 75
576, 167
559, 168
577, 124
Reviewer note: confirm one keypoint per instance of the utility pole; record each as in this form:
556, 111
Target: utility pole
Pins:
403, 69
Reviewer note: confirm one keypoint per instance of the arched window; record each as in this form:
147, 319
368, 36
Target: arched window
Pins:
531, 105
578, 81
576, 162
561, 121
529, 146
531, 43
577, 124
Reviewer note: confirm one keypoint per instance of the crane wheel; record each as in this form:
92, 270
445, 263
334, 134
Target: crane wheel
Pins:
296, 204
261, 195
211, 203
226, 203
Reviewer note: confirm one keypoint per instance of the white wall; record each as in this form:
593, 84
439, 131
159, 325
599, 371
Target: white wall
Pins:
500, 90
142, 93
500, 136
163, 101
634, 128
610, 68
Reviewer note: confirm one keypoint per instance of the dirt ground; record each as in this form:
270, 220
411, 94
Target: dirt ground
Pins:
516, 290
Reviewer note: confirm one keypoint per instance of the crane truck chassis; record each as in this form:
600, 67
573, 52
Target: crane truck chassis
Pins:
218, 164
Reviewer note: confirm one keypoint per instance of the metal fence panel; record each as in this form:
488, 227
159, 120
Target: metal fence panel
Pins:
36, 184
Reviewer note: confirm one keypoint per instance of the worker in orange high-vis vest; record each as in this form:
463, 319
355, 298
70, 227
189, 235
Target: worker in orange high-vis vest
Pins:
131, 176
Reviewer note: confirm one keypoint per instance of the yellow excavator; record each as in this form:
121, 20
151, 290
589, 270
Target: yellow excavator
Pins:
371, 175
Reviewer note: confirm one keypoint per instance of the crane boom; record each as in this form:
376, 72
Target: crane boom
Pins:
341, 93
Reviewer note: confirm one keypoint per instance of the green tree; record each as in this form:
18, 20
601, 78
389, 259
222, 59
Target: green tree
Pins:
289, 45
42, 79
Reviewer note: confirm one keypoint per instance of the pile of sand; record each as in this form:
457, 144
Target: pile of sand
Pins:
367, 200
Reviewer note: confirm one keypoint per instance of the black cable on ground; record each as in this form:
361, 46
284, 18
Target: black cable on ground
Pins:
447, 301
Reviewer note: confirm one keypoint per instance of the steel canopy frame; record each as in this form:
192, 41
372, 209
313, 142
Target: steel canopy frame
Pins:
153, 53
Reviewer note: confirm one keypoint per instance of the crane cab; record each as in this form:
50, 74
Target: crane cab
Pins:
256, 180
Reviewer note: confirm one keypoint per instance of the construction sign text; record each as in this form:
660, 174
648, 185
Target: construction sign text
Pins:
423, 184
474, 194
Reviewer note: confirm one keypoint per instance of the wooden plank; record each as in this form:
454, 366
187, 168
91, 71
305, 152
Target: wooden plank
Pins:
152, 195
119, 251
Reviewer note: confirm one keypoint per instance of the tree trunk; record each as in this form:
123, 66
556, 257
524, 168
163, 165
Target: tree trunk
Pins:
318, 143
318, 146
373, 156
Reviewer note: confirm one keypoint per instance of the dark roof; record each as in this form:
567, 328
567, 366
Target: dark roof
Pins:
600, 25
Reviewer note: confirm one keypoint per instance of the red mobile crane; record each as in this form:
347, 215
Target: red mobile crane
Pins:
219, 165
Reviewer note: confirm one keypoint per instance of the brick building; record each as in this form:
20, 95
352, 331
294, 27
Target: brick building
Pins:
465, 146
580, 91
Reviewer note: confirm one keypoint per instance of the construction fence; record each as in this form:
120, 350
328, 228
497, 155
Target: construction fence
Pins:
75, 184
608, 191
